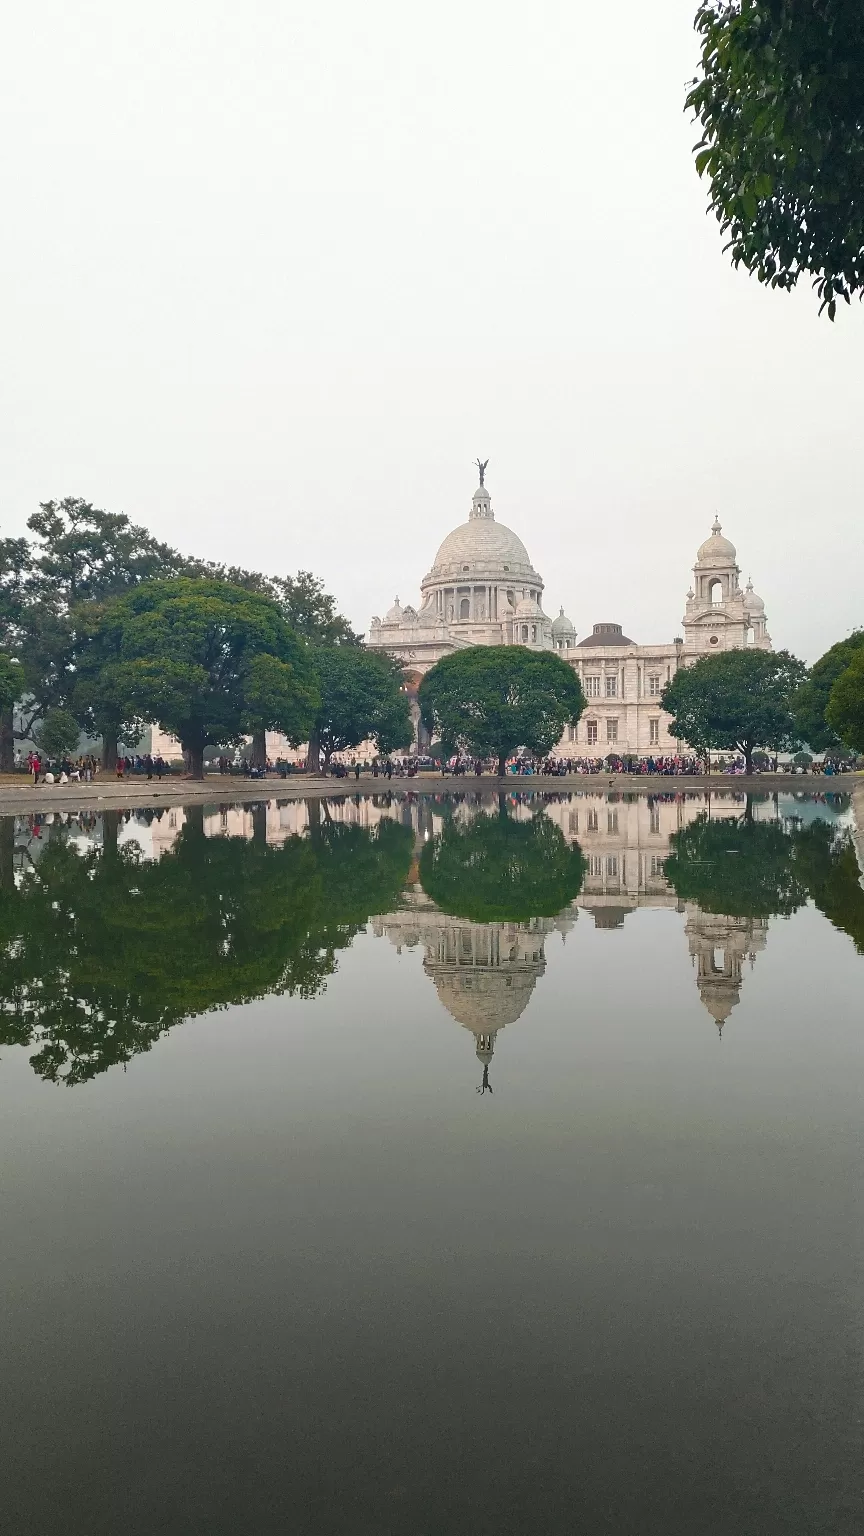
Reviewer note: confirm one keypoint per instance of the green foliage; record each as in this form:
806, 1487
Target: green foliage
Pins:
58, 734
311, 612
739, 700
769, 868
209, 661
811, 700
845, 710
739, 869
102, 954
489, 700
360, 696
802, 759
11, 681
495, 869
781, 102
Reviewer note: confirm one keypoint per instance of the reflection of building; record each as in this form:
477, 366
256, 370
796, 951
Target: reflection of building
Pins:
482, 589
484, 973
720, 946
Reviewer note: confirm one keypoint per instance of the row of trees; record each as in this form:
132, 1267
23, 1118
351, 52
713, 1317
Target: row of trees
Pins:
745, 700
103, 628
491, 700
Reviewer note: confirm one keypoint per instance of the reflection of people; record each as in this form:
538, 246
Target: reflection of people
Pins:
485, 1086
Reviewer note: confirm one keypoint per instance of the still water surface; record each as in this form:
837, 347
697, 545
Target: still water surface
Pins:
433, 1165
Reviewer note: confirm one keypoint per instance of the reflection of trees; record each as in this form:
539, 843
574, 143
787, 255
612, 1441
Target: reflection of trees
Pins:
766, 868
99, 955
740, 869
493, 869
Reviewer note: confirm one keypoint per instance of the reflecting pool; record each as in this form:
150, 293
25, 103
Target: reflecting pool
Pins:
427, 1164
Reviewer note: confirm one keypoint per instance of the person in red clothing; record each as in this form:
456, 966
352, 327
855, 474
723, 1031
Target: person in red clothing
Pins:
36, 765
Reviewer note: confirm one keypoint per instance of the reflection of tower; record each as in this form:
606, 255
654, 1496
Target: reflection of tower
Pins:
484, 973
720, 946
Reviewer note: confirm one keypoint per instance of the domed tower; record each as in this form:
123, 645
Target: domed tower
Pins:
716, 617
756, 615
563, 633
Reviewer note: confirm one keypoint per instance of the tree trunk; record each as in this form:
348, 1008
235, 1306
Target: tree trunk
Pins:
194, 815
109, 753
259, 825
502, 764
110, 827
7, 853
7, 740
748, 759
195, 757
313, 754
259, 749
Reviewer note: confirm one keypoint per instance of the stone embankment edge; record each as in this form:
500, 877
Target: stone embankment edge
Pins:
20, 797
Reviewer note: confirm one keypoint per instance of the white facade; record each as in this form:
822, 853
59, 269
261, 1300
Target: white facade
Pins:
483, 590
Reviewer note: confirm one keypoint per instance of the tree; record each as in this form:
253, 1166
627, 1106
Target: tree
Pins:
361, 696
11, 689
101, 954
781, 102
209, 661
738, 701
739, 869
311, 611
494, 869
811, 700
845, 711
80, 555
57, 734
491, 699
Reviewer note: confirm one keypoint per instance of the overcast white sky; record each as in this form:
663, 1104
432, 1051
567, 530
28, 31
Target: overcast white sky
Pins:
274, 274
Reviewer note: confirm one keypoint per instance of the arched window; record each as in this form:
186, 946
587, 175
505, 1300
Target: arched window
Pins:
524, 631
533, 631
465, 609
715, 590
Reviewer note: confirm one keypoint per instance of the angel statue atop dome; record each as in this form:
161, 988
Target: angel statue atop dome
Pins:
481, 465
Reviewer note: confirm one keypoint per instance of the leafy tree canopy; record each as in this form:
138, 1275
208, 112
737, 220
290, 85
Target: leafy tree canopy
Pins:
11, 680
845, 710
811, 700
209, 661
58, 734
739, 701
495, 869
489, 700
769, 868
780, 98
102, 954
739, 869
361, 696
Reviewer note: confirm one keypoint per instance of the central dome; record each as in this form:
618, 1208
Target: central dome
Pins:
482, 545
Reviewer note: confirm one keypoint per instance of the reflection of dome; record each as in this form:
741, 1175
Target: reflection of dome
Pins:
716, 550
562, 625
484, 1001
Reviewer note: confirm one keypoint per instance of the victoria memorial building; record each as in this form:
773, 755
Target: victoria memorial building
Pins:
482, 589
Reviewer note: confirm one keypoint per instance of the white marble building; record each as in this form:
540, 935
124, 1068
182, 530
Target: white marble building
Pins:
482, 589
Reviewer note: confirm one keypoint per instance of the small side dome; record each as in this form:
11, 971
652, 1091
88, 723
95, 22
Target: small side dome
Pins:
527, 609
716, 550
394, 614
752, 601
562, 625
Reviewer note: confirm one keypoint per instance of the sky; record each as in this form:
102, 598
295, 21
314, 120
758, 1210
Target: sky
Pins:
274, 275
